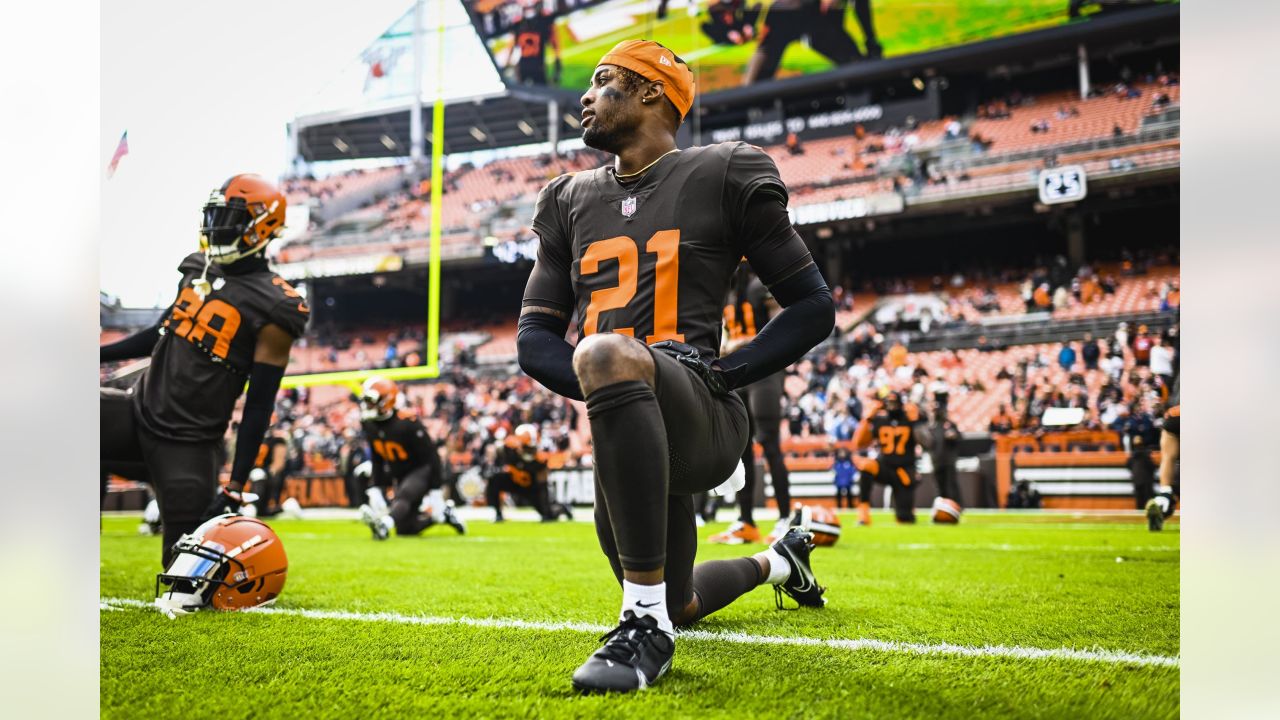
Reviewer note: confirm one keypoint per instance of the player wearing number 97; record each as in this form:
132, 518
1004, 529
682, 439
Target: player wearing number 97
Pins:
896, 429
643, 253
233, 321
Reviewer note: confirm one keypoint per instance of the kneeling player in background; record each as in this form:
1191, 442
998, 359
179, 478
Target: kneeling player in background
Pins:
897, 428
522, 471
404, 456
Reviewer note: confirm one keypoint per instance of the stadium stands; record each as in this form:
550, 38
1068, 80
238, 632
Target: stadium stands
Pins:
824, 170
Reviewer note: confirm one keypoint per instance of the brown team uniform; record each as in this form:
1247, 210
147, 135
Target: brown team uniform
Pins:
169, 428
895, 438
404, 456
654, 260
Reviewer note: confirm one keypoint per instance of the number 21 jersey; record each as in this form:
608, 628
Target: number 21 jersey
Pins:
654, 260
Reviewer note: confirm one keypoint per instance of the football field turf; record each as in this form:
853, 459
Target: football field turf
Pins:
1004, 615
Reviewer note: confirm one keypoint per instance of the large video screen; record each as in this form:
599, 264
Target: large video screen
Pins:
729, 43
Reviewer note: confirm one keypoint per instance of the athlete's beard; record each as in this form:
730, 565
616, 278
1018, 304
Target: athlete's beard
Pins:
601, 138
610, 128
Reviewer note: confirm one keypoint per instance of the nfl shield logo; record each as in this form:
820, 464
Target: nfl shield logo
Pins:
629, 207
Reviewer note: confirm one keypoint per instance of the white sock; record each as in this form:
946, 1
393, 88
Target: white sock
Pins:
376, 500
435, 503
779, 568
648, 600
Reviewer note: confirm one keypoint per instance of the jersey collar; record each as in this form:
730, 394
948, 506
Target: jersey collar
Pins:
610, 189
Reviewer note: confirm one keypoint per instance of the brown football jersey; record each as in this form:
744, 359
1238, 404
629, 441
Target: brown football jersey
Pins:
400, 445
201, 363
895, 436
654, 260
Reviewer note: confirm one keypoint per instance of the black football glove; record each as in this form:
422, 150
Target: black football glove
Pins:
229, 501
688, 355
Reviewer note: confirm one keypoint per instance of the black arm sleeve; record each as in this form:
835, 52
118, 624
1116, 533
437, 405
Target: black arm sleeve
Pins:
806, 319
138, 345
784, 264
264, 381
545, 355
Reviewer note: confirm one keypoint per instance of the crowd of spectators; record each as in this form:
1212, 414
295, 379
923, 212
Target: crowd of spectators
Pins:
1121, 381
969, 295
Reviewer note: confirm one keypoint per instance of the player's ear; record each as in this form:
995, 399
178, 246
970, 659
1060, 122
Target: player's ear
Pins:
653, 92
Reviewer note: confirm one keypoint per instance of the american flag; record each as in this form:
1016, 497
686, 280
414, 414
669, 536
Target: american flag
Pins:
121, 150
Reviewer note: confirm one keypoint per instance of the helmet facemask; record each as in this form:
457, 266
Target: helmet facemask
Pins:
198, 567
377, 400
371, 407
229, 231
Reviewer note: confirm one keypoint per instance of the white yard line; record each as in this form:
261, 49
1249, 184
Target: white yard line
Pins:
855, 645
1005, 547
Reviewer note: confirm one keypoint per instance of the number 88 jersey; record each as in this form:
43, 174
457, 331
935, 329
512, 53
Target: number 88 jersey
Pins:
200, 365
654, 259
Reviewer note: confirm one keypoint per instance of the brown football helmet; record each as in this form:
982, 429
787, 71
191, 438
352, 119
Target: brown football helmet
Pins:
231, 562
240, 218
946, 511
822, 522
378, 397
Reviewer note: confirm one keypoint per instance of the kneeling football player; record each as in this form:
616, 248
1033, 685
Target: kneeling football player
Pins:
897, 429
405, 458
522, 471
233, 322
642, 252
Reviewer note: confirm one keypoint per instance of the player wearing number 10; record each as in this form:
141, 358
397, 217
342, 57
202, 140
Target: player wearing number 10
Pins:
234, 320
643, 253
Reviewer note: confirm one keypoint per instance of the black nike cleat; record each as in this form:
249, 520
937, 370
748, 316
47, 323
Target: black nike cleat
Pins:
801, 585
634, 656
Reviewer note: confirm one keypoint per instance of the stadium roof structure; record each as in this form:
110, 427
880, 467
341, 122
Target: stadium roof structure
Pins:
506, 118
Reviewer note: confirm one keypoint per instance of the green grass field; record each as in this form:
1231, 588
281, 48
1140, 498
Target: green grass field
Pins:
940, 597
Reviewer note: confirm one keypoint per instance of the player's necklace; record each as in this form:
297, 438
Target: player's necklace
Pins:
642, 170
